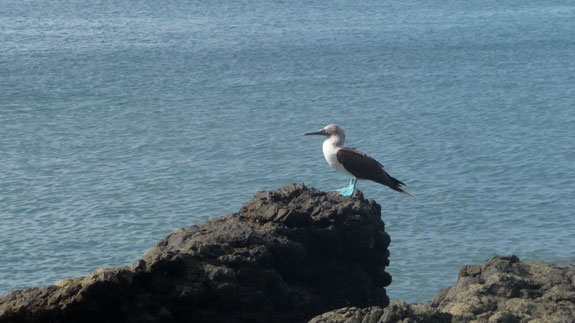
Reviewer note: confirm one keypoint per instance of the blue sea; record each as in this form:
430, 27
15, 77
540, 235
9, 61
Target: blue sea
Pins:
121, 121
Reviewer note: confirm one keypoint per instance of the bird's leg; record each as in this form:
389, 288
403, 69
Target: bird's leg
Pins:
353, 182
348, 190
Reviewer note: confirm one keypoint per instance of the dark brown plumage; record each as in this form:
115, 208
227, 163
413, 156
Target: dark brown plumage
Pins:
362, 166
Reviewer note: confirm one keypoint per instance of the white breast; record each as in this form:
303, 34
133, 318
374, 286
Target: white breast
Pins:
330, 153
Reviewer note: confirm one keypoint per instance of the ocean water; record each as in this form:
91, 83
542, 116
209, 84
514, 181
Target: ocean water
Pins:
121, 121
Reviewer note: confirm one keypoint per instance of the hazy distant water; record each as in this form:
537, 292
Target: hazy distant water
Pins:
121, 121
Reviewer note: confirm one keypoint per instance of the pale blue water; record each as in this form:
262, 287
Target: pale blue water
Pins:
121, 121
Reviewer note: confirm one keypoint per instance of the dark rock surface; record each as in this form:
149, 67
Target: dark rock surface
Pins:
501, 290
397, 311
287, 256
507, 290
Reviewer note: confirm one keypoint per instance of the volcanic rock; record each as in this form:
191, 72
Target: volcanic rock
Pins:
503, 289
287, 256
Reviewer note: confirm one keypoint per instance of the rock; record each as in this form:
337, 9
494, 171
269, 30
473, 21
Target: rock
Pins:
507, 290
397, 311
287, 256
350, 315
501, 290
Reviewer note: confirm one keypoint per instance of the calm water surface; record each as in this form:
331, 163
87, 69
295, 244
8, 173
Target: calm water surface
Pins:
121, 121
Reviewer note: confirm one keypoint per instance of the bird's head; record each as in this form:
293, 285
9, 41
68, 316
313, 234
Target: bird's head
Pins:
332, 131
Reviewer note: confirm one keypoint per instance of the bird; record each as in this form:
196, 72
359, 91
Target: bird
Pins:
352, 162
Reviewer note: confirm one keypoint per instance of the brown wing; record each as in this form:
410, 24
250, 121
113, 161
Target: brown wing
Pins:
359, 164
362, 166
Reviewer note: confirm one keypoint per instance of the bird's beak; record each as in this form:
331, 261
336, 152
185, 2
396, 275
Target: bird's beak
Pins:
321, 132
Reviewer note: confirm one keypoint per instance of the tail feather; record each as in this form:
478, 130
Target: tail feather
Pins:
395, 185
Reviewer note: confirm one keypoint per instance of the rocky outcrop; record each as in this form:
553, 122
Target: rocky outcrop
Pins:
501, 290
287, 256
507, 290
397, 311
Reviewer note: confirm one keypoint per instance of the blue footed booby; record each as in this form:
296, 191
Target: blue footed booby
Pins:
352, 162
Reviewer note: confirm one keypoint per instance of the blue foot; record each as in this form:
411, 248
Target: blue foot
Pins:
348, 190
